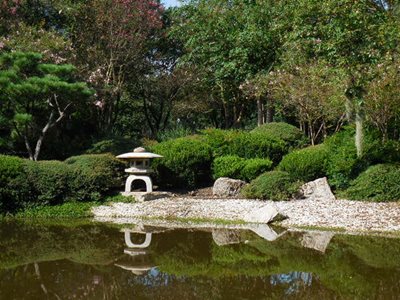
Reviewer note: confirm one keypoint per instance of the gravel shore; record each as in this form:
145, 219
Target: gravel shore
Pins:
336, 214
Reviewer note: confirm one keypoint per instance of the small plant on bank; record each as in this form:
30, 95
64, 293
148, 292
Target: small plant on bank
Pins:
274, 185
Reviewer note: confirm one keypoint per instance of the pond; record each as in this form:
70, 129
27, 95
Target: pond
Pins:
97, 261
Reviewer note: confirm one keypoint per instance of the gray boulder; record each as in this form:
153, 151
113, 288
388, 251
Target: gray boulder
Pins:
227, 187
318, 190
268, 213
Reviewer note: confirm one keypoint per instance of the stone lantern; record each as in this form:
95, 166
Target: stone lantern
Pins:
139, 168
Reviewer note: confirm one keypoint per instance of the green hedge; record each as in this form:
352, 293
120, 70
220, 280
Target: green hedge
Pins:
186, 162
14, 189
49, 181
92, 175
240, 168
306, 164
291, 135
378, 183
26, 184
274, 185
245, 144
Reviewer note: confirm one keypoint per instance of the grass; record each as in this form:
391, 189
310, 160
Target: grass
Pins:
66, 210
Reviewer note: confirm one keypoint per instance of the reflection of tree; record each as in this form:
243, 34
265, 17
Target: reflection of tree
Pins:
80, 262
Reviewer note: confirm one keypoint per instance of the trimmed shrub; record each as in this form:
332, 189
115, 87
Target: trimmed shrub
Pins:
254, 167
258, 145
49, 181
378, 183
306, 164
244, 144
228, 166
239, 168
13, 187
220, 140
186, 162
291, 135
92, 175
274, 185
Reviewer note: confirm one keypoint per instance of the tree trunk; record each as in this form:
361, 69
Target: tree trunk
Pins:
260, 112
270, 112
359, 138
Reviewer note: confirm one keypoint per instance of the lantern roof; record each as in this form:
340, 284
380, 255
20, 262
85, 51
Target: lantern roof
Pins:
138, 153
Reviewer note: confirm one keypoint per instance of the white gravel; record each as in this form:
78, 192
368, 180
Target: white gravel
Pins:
338, 214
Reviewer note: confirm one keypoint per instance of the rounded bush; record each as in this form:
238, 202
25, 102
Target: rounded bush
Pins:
291, 135
378, 183
186, 162
274, 185
49, 181
254, 167
244, 144
219, 140
92, 175
306, 164
13, 187
228, 166
235, 167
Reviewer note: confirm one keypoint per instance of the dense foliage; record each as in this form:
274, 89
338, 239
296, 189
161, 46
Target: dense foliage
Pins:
240, 168
27, 184
186, 162
378, 183
306, 164
274, 185
268, 77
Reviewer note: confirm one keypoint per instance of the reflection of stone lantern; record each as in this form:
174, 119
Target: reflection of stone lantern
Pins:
139, 168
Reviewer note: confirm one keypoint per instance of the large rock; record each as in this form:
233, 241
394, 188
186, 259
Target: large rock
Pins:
318, 189
268, 213
227, 187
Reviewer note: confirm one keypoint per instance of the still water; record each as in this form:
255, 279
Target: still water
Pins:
93, 261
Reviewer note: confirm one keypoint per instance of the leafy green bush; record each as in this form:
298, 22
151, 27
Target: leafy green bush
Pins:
219, 140
186, 162
92, 175
343, 165
13, 187
254, 167
291, 135
274, 185
49, 181
244, 144
378, 183
306, 164
233, 166
228, 166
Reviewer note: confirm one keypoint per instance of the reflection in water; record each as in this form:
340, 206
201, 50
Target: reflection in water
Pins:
90, 261
295, 280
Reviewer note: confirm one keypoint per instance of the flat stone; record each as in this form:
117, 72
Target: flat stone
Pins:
227, 187
268, 213
144, 196
318, 189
